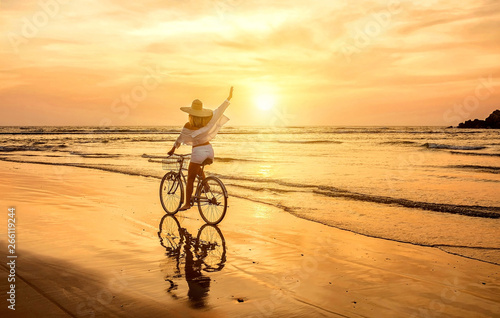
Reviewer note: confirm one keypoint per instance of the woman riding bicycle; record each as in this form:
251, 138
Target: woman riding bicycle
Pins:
203, 126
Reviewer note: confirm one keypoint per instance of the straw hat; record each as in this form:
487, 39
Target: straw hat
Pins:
197, 109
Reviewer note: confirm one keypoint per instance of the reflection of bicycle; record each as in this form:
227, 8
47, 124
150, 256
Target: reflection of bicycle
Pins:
205, 253
209, 245
210, 195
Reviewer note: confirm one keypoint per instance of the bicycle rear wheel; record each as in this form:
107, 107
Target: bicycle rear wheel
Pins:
212, 200
171, 192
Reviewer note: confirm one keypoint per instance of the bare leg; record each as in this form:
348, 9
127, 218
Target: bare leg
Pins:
206, 188
193, 170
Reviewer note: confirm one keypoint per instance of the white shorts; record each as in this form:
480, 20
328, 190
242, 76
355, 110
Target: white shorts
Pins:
201, 153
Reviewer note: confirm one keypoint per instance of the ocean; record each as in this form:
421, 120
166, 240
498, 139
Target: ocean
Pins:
430, 186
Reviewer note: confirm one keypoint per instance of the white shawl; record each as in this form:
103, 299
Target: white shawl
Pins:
206, 133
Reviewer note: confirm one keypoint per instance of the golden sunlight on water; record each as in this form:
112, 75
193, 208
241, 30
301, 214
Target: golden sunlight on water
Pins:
265, 171
262, 212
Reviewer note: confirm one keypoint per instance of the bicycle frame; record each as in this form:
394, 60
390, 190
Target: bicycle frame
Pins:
178, 173
199, 180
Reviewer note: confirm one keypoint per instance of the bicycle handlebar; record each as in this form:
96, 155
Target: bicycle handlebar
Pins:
179, 155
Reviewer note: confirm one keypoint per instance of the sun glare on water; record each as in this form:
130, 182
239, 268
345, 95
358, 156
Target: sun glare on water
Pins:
265, 102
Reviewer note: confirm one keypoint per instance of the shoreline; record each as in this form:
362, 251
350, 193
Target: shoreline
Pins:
494, 258
100, 222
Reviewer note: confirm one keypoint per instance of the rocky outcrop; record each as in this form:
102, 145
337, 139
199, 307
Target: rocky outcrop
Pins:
492, 122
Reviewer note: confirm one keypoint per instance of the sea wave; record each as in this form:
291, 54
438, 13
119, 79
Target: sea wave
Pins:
399, 142
125, 139
169, 130
309, 142
94, 155
154, 156
488, 169
475, 153
151, 158
229, 159
42, 146
102, 167
89, 132
468, 210
454, 147
32, 147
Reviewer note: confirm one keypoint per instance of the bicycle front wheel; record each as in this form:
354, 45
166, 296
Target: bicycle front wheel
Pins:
171, 193
169, 233
212, 200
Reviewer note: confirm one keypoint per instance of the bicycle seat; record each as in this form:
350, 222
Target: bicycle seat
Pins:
207, 162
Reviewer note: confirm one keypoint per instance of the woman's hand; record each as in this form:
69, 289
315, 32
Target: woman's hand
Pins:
171, 152
230, 93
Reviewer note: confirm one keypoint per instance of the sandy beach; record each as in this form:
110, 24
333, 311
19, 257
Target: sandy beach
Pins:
88, 246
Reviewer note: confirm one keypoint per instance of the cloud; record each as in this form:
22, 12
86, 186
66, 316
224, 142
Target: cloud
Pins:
91, 52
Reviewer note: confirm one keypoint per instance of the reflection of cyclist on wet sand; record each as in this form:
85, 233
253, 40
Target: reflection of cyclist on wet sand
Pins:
206, 252
203, 126
199, 284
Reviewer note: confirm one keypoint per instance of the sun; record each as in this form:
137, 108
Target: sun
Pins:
265, 101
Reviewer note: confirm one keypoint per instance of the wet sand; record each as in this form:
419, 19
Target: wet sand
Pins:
87, 245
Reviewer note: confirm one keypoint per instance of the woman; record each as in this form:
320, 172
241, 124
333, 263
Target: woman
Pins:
202, 127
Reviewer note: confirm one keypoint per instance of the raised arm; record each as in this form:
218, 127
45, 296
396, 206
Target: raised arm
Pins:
222, 108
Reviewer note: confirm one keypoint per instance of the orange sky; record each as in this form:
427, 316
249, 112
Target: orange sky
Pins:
323, 62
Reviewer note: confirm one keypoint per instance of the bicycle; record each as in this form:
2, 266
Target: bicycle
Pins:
210, 195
